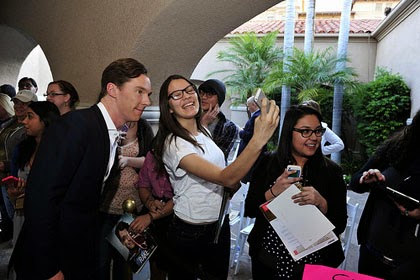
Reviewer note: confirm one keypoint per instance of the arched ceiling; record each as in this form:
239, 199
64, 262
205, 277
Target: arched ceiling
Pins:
80, 38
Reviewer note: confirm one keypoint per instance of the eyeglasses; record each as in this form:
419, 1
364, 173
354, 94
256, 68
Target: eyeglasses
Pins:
306, 133
206, 94
178, 94
52, 94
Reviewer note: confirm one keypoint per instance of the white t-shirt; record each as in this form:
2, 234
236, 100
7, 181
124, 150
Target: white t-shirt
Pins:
195, 200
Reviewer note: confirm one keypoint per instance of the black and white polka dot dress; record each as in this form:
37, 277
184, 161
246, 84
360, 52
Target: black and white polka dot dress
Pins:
285, 263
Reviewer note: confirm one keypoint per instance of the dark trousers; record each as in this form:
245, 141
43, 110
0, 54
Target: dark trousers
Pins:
197, 255
370, 264
260, 271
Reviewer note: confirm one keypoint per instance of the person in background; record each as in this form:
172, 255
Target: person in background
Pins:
6, 108
247, 133
21, 102
39, 117
156, 193
63, 95
57, 240
12, 133
27, 83
388, 232
6, 207
323, 187
8, 90
331, 142
197, 172
121, 186
223, 131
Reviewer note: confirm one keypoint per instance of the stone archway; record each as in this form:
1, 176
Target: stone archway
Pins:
80, 38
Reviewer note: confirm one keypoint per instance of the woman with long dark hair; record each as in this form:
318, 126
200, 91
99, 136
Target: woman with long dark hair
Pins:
323, 186
388, 232
196, 168
39, 116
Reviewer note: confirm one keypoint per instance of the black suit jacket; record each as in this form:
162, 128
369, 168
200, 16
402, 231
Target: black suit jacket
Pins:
62, 199
247, 132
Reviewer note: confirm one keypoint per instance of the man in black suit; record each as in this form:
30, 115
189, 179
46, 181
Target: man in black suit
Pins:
64, 187
247, 132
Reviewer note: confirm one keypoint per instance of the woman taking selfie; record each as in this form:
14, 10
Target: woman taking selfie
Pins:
196, 168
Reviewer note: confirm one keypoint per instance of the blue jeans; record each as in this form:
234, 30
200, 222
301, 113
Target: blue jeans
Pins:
7, 203
195, 251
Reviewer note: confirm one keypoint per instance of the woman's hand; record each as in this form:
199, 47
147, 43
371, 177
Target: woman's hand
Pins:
370, 176
281, 184
16, 189
141, 223
266, 123
156, 206
309, 195
415, 214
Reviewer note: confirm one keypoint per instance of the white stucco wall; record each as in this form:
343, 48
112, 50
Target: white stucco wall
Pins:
398, 50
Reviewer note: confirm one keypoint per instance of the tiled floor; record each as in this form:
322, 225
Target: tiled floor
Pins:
245, 263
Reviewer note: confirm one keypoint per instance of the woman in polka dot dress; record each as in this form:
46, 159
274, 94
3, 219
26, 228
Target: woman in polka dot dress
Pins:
323, 186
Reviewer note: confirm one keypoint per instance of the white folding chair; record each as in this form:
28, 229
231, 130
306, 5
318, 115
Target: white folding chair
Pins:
234, 152
240, 244
348, 232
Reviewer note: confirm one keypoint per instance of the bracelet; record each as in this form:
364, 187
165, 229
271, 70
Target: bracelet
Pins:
151, 217
271, 191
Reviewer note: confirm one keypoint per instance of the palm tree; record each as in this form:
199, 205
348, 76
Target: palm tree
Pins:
309, 72
309, 26
343, 39
289, 37
252, 58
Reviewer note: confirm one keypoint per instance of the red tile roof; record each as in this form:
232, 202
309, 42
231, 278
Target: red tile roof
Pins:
322, 26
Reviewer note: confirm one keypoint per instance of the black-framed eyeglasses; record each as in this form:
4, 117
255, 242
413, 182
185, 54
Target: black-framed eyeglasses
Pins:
52, 94
206, 94
306, 132
178, 94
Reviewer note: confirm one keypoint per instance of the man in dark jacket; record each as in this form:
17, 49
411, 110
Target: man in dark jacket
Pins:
67, 177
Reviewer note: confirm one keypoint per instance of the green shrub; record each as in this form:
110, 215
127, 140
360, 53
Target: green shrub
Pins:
381, 108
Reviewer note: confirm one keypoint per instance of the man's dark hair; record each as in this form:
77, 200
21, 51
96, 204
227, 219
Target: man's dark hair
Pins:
8, 89
25, 79
119, 72
120, 227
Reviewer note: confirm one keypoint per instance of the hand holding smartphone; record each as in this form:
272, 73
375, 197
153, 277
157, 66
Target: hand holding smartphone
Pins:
10, 181
258, 97
296, 168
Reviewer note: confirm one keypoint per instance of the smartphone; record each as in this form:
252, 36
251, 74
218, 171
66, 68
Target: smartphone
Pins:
296, 168
258, 97
10, 179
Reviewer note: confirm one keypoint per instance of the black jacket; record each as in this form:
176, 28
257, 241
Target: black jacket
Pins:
327, 178
62, 198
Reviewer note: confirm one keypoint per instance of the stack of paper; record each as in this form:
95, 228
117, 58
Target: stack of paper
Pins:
303, 229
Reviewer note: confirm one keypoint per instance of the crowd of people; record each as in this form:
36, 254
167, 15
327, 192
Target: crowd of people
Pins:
77, 170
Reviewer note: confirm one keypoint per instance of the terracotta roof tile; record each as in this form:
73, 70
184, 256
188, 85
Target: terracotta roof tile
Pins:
322, 26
